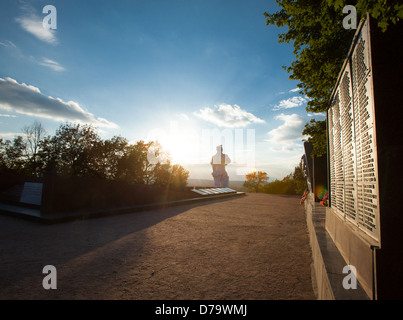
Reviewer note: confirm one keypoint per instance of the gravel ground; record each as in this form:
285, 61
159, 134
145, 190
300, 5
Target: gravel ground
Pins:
249, 247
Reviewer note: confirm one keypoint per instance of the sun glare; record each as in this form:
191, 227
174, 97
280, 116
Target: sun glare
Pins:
182, 143
182, 149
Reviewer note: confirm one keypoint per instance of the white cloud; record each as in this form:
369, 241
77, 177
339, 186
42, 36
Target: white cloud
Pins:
8, 44
10, 135
321, 114
34, 26
228, 116
51, 64
31, 22
54, 65
294, 90
293, 102
289, 148
29, 100
8, 115
289, 132
14, 82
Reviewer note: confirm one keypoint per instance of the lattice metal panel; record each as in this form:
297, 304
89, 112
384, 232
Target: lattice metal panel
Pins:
368, 211
333, 116
352, 141
338, 152
331, 153
348, 146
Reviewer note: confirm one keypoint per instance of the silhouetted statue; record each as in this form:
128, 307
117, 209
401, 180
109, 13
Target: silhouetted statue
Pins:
218, 162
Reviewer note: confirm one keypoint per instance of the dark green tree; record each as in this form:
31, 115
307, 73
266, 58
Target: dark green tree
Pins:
316, 130
130, 166
299, 179
71, 150
106, 157
77, 150
12, 155
168, 175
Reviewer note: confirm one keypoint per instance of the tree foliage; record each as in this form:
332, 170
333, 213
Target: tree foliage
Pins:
316, 130
78, 150
34, 135
12, 155
314, 27
255, 181
293, 184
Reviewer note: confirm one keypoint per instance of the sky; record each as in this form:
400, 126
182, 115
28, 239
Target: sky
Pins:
191, 74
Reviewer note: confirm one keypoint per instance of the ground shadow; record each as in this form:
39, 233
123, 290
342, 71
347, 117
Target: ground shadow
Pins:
27, 246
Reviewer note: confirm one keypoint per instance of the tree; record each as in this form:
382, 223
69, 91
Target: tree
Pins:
386, 12
179, 176
294, 183
321, 45
34, 135
70, 150
131, 165
12, 155
255, 181
284, 186
106, 157
161, 174
299, 179
167, 175
78, 150
156, 156
316, 130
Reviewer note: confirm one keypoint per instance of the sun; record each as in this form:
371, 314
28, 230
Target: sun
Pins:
181, 148
181, 140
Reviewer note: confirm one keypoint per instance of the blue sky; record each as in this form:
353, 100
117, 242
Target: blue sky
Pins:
189, 73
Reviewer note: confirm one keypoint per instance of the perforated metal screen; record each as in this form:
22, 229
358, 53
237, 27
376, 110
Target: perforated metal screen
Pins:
352, 141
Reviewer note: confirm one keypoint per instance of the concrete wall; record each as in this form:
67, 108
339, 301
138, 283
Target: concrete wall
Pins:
324, 290
355, 249
328, 262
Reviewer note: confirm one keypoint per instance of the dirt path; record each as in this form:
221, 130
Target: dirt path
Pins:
250, 247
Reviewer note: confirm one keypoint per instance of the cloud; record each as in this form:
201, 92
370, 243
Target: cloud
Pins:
9, 135
294, 90
8, 44
8, 115
29, 100
51, 64
289, 131
291, 147
321, 114
293, 102
228, 116
54, 65
32, 23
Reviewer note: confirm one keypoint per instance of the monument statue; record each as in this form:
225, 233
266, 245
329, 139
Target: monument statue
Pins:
218, 163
